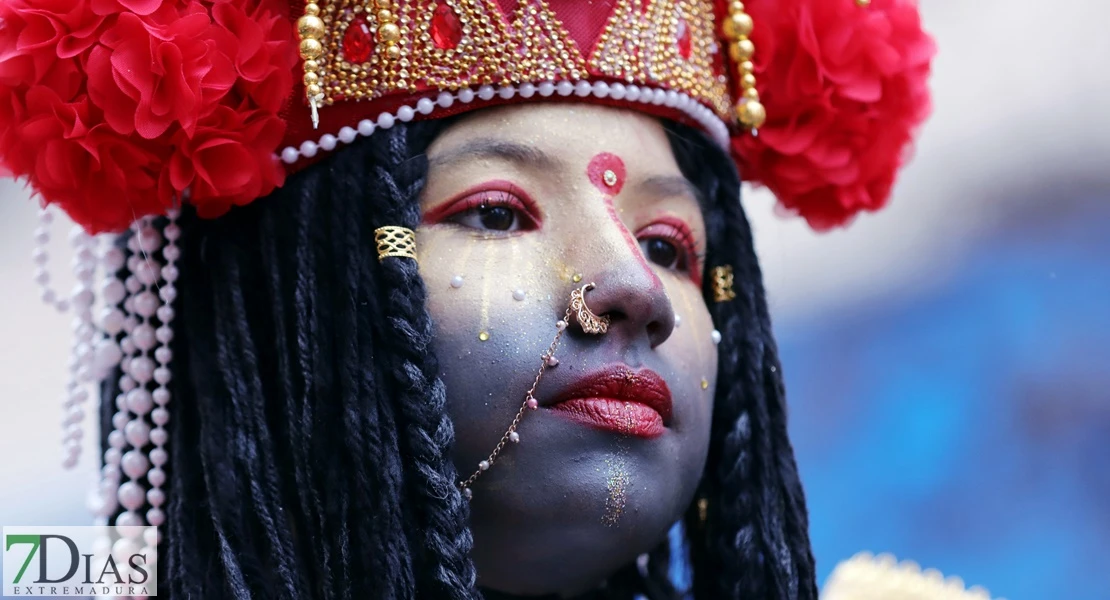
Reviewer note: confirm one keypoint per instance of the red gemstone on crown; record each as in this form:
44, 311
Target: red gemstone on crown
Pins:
683, 39
446, 29
358, 43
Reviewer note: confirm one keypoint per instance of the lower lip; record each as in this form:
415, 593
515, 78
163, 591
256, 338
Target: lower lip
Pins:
610, 414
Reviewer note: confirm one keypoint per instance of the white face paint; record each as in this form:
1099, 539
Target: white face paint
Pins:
522, 205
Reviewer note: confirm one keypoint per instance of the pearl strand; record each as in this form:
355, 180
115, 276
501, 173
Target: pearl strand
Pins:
630, 93
156, 476
81, 351
103, 500
106, 352
138, 400
41, 256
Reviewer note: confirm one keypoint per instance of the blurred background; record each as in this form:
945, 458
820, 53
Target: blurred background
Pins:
947, 360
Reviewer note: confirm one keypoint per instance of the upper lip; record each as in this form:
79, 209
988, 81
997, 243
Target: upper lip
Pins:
621, 383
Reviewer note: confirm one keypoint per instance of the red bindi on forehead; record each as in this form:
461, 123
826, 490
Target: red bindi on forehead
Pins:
607, 173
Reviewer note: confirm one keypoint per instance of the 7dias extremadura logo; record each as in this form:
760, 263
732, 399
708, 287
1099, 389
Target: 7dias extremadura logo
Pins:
80, 561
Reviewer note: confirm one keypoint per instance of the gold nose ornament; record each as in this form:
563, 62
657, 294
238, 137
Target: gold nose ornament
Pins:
590, 323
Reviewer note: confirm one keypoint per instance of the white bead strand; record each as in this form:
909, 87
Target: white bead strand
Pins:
81, 299
106, 353
691, 107
41, 256
136, 400
160, 416
104, 499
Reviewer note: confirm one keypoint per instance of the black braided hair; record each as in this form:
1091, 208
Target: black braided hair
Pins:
753, 541
310, 445
441, 511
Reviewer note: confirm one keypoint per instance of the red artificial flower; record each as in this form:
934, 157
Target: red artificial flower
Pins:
69, 27
845, 89
261, 56
228, 161
35, 39
118, 177
129, 103
151, 72
139, 7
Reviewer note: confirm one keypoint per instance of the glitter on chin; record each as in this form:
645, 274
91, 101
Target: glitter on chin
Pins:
616, 482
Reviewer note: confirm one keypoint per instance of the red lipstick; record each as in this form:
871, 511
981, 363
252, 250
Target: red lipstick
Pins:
619, 399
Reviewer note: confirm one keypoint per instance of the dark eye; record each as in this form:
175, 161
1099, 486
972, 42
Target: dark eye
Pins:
660, 252
669, 243
492, 217
497, 218
493, 211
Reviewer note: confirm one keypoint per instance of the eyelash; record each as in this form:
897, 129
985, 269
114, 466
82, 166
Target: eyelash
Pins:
472, 201
679, 234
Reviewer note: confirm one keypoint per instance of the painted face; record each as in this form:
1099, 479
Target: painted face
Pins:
523, 205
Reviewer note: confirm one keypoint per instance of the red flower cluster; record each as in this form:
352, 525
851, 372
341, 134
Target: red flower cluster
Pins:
845, 89
112, 108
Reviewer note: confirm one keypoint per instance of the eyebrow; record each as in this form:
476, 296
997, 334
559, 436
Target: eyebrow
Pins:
671, 185
480, 148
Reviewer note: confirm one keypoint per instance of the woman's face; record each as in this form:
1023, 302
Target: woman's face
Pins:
523, 205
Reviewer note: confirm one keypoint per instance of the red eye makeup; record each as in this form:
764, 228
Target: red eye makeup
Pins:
678, 233
485, 199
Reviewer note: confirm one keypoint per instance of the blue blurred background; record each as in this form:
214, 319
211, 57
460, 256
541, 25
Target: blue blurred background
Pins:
947, 359
968, 427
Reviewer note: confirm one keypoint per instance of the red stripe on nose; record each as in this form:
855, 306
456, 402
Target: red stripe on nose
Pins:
606, 171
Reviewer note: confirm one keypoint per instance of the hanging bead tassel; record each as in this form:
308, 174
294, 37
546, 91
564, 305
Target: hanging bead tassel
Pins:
83, 350
160, 416
138, 400
736, 28
73, 413
41, 256
389, 34
106, 351
84, 333
311, 29
103, 500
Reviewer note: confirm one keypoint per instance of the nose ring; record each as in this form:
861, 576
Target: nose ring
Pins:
587, 319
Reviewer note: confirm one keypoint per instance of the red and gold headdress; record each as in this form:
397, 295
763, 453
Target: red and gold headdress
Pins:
116, 109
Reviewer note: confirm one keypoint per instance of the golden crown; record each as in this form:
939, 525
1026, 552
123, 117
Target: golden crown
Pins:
383, 50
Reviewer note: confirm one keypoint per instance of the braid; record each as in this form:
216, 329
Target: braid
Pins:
754, 542
398, 176
310, 441
360, 396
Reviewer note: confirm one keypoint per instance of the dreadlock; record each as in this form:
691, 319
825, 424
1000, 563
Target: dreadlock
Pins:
753, 541
311, 444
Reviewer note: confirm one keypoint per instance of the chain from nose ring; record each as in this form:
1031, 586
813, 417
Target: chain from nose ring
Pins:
590, 323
